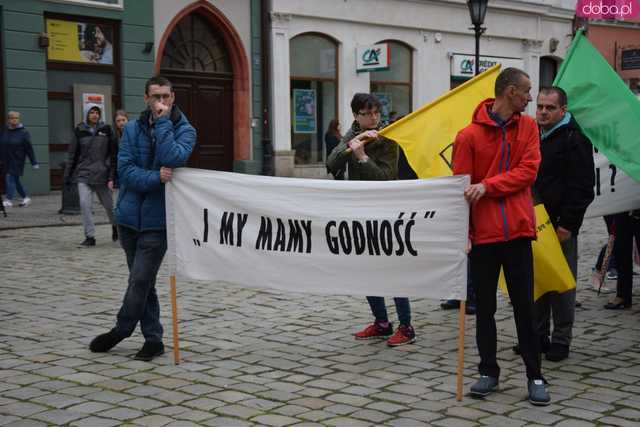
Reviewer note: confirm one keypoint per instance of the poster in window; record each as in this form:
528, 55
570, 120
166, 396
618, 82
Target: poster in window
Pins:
82, 42
304, 102
385, 101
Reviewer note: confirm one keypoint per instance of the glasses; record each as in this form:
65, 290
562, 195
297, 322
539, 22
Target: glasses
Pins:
369, 113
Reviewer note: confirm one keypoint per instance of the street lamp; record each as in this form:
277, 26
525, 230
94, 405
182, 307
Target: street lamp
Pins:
477, 10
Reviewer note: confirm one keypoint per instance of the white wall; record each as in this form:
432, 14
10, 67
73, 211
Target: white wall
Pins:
515, 28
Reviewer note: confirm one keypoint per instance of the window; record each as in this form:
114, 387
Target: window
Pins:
548, 71
107, 4
313, 95
393, 86
193, 46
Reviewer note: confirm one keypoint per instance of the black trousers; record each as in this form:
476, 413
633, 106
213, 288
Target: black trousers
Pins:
627, 228
516, 259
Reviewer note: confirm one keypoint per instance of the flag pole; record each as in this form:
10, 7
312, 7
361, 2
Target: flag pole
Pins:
460, 375
174, 314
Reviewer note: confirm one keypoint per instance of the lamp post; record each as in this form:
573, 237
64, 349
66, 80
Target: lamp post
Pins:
477, 10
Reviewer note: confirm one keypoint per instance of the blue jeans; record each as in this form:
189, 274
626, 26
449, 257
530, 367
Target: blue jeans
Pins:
379, 309
144, 250
13, 184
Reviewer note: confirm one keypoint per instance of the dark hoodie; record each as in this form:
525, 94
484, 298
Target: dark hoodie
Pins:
566, 177
15, 147
92, 155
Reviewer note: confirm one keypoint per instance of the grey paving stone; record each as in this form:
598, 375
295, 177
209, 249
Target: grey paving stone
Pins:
57, 416
239, 411
122, 414
347, 422
226, 422
153, 421
22, 409
274, 420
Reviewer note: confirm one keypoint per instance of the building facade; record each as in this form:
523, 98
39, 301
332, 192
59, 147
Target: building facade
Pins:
59, 56
314, 63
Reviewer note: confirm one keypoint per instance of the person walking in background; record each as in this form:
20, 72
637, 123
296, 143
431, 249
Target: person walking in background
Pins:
500, 150
91, 164
159, 141
331, 140
15, 148
565, 186
372, 157
120, 119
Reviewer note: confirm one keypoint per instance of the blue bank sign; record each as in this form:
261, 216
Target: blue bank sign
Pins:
372, 58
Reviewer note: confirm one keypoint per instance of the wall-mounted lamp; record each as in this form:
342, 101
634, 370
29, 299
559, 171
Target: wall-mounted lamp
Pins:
553, 44
148, 47
43, 40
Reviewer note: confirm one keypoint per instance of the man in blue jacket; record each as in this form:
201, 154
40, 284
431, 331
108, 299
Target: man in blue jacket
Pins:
15, 147
152, 146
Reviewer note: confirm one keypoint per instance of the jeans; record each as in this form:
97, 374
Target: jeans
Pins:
144, 251
85, 192
379, 309
561, 305
13, 183
516, 258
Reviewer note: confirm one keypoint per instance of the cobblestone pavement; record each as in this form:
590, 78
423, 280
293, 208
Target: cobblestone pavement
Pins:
253, 357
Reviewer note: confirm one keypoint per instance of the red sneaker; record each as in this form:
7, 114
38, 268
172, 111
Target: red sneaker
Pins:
374, 330
404, 335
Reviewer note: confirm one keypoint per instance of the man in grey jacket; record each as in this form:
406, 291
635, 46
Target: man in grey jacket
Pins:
91, 164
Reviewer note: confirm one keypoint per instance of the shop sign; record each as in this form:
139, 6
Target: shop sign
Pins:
631, 59
83, 42
464, 65
304, 117
372, 58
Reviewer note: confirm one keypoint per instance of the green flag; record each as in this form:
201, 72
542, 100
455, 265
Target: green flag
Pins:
606, 109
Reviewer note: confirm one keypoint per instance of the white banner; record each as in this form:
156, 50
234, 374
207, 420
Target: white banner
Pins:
615, 191
386, 238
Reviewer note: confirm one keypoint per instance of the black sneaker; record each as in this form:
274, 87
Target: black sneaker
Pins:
557, 352
538, 394
484, 386
89, 241
105, 342
450, 304
114, 233
149, 350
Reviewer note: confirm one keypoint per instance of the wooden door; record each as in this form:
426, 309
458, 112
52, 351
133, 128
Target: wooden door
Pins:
208, 104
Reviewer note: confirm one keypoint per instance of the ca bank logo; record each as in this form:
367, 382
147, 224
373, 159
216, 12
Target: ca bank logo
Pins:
371, 56
608, 9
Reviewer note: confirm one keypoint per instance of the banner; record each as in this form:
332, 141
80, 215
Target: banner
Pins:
551, 272
426, 136
602, 104
615, 191
381, 238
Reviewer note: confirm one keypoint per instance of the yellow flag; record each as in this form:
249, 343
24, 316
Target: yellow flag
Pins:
426, 135
550, 269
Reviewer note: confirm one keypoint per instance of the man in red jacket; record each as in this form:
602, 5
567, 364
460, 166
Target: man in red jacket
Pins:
500, 150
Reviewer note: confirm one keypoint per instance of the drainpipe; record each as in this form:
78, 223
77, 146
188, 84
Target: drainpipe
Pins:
265, 38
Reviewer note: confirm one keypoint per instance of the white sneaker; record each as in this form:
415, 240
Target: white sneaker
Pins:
7, 204
25, 202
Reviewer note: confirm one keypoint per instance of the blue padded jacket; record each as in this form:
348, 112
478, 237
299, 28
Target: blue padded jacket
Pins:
144, 148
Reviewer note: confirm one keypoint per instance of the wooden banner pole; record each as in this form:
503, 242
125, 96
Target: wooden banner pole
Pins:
174, 309
460, 375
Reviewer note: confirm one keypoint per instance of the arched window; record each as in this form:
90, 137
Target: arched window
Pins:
548, 71
313, 94
393, 86
194, 46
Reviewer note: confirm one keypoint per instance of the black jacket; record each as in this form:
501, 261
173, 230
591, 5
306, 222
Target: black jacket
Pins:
92, 157
566, 176
15, 147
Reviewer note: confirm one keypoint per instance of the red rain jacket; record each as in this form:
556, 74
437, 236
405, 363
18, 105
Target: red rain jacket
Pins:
505, 159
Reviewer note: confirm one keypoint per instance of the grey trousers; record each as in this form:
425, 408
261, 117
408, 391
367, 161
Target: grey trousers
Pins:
561, 306
85, 192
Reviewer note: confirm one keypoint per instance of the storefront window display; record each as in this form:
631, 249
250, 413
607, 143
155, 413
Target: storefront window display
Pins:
393, 86
313, 95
